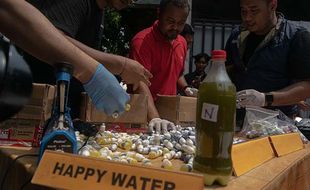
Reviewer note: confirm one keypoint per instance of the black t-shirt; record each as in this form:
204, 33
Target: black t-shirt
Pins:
252, 41
79, 19
299, 56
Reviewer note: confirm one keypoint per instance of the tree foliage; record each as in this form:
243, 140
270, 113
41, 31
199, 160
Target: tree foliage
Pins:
114, 38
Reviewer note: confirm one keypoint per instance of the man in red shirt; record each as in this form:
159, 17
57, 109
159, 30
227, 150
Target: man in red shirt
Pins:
162, 51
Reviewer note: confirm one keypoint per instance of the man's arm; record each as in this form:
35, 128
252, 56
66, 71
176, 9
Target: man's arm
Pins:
183, 86
292, 94
152, 111
155, 122
139, 51
182, 82
130, 70
28, 28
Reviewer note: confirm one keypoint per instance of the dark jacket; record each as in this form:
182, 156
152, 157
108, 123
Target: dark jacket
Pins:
268, 68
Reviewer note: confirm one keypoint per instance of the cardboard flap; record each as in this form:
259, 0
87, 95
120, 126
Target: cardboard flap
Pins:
41, 93
40, 104
178, 109
187, 103
167, 106
30, 112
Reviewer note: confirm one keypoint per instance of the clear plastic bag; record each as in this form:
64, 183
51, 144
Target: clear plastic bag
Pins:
304, 126
260, 122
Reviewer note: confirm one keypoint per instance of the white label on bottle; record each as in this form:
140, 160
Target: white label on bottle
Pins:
209, 112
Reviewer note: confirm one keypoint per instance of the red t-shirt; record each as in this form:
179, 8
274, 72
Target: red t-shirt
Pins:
164, 59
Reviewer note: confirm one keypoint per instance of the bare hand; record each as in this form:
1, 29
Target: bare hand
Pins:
134, 72
303, 105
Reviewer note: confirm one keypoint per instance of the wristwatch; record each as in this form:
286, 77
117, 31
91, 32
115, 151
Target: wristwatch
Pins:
268, 99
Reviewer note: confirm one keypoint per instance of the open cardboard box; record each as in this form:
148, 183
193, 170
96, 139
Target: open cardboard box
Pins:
26, 127
135, 117
178, 109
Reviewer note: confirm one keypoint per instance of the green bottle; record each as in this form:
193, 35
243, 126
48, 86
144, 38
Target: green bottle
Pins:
215, 122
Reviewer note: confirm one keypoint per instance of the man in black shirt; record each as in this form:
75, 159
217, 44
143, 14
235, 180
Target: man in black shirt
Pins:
79, 21
269, 58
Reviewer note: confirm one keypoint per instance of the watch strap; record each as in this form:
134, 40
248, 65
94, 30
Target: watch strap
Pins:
268, 99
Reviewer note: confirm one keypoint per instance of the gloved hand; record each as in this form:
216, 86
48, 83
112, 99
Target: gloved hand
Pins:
250, 98
105, 92
191, 91
160, 125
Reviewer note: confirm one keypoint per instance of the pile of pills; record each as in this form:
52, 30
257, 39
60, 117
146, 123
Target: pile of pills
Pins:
142, 148
260, 128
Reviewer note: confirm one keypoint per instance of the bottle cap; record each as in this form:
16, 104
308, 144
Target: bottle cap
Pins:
218, 54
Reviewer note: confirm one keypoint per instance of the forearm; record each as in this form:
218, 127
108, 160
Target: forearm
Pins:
114, 63
152, 111
28, 28
292, 94
182, 83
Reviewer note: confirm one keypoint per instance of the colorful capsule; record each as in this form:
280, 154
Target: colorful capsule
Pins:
166, 164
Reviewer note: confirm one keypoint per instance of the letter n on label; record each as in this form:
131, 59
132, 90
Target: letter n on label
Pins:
209, 112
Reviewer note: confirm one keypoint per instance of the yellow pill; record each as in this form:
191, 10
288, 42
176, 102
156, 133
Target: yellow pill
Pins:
127, 107
153, 155
95, 154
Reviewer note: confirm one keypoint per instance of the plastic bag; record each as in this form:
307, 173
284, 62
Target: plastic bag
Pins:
304, 126
260, 122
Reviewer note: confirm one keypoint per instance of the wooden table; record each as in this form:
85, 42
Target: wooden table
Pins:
291, 171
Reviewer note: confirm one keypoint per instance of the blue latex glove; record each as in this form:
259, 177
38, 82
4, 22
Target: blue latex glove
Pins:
105, 92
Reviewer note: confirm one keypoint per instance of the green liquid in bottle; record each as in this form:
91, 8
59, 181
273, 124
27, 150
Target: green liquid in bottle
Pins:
215, 121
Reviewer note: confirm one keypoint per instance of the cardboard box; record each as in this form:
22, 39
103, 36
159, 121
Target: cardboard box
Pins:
136, 116
26, 127
178, 109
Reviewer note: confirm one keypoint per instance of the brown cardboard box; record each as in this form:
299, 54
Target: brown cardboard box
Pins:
178, 109
136, 116
26, 127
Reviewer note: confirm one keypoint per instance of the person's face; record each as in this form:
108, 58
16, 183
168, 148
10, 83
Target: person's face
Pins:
118, 4
257, 15
201, 64
189, 40
172, 20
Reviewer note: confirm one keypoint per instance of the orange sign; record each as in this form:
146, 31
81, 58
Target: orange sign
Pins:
67, 171
250, 154
286, 143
